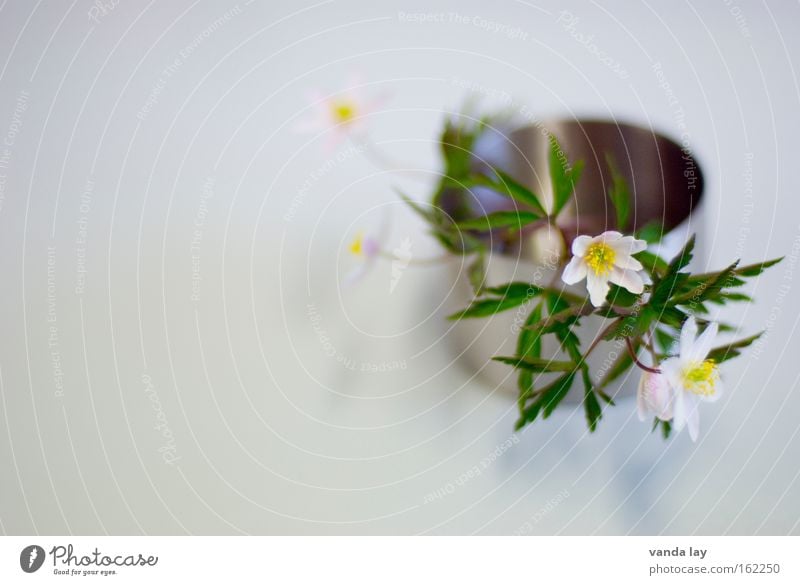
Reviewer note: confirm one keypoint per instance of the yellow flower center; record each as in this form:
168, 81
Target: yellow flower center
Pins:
701, 377
600, 258
343, 111
357, 245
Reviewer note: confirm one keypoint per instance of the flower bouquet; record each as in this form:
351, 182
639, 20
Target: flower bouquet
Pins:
596, 234
620, 286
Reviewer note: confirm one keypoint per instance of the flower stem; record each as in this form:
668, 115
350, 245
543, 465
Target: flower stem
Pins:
417, 261
636, 359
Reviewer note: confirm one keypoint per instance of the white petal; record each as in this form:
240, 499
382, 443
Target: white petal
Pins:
693, 419
639, 246
575, 271
627, 279
632, 245
597, 287
641, 405
654, 396
624, 260
671, 370
679, 410
688, 335
580, 245
703, 344
609, 237
666, 399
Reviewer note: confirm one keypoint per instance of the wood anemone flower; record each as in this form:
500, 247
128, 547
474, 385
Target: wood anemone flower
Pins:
692, 377
603, 259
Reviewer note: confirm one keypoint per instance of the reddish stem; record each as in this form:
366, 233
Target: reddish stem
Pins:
636, 359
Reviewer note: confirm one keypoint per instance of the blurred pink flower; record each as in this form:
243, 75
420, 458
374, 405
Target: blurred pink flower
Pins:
366, 249
340, 115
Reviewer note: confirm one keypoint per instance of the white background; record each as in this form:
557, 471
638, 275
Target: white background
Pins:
271, 434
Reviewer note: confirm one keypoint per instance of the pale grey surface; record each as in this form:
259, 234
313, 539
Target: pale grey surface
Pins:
272, 435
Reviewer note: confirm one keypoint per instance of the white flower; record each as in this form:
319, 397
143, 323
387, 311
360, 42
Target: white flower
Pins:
692, 377
366, 248
603, 259
340, 115
654, 397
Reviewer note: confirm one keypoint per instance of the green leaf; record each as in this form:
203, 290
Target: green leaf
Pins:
592, 408
709, 288
671, 316
529, 345
652, 232
591, 405
547, 400
488, 307
756, 269
666, 287
555, 320
499, 219
666, 427
664, 340
421, 211
514, 289
736, 297
621, 297
508, 186
552, 395
621, 365
653, 263
562, 176
619, 193
537, 365
726, 352
634, 324
476, 272
528, 414
683, 258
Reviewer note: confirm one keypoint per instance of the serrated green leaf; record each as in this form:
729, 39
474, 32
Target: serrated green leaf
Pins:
619, 193
664, 340
476, 273
593, 410
621, 297
562, 176
488, 307
536, 365
683, 258
756, 269
666, 287
508, 186
555, 393
591, 405
514, 289
672, 316
736, 297
653, 263
555, 320
726, 352
707, 289
652, 232
499, 219
529, 343
621, 365
416, 207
